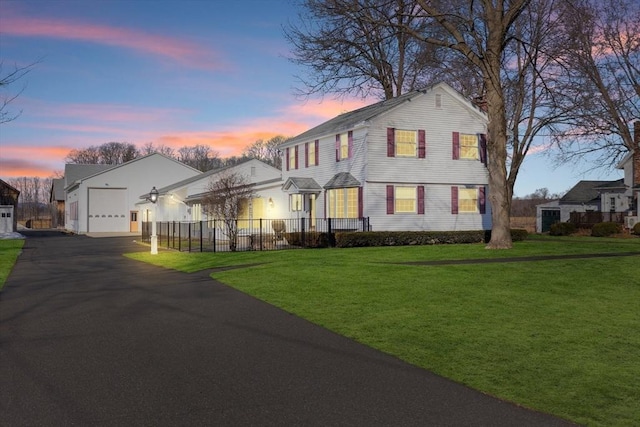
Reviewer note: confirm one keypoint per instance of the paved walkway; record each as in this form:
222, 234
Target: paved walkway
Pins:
88, 337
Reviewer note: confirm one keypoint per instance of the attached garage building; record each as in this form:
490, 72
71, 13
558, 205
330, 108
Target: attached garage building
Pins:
105, 201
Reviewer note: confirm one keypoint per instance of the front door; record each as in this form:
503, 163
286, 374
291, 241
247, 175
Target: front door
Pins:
133, 221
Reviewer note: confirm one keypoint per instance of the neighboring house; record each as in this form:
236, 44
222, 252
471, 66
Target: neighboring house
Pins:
183, 200
56, 199
612, 200
415, 162
103, 198
8, 208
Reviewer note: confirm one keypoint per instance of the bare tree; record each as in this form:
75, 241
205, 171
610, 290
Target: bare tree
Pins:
116, 153
600, 82
200, 157
33, 202
360, 47
149, 148
110, 153
6, 98
266, 151
226, 193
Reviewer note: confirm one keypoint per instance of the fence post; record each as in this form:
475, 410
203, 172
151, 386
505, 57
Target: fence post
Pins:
214, 235
201, 227
260, 223
303, 233
189, 235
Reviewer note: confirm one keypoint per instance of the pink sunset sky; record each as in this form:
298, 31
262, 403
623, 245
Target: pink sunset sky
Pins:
168, 72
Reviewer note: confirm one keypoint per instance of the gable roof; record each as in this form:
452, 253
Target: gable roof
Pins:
303, 185
342, 180
588, 191
57, 190
164, 190
99, 169
362, 115
74, 172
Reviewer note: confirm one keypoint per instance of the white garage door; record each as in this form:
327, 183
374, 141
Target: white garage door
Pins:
108, 210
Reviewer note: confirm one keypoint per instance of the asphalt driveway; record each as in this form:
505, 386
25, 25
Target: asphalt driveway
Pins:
88, 337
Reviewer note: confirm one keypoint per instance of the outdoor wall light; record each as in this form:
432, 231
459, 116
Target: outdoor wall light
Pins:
153, 195
270, 202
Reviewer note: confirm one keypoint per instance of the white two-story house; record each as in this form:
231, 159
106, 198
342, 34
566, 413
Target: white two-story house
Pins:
415, 162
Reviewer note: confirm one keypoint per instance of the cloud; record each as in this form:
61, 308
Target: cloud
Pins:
325, 109
15, 168
78, 126
181, 51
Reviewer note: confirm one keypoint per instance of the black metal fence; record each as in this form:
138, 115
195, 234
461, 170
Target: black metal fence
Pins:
245, 235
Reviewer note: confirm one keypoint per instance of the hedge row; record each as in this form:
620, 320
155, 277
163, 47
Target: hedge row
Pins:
406, 238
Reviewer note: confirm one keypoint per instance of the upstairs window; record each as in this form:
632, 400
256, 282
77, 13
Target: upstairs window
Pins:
311, 153
292, 158
406, 143
344, 146
470, 146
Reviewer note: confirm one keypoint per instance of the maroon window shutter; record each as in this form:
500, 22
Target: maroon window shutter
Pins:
454, 200
391, 142
287, 157
483, 148
338, 148
317, 144
421, 199
306, 154
350, 142
456, 145
360, 204
482, 200
422, 144
390, 201
296, 157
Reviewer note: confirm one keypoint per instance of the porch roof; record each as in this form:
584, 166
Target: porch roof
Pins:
302, 185
342, 180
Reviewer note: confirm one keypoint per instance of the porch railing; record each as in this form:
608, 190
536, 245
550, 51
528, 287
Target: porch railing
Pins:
243, 235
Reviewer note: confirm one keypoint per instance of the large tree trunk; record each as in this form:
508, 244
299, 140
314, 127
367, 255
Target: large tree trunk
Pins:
499, 189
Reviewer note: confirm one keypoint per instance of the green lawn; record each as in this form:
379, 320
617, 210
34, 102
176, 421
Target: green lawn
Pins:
559, 336
9, 251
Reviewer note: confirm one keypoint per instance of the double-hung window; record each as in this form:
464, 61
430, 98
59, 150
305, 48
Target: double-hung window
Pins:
468, 200
292, 158
405, 199
406, 143
344, 145
311, 153
469, 147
